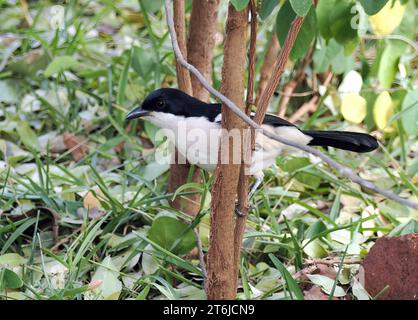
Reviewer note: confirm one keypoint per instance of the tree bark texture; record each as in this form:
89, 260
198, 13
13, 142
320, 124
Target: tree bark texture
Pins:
221, 283
198, 50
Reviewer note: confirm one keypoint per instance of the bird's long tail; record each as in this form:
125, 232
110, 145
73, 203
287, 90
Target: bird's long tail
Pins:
352, 141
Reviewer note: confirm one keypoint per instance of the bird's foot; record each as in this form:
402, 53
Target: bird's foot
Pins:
241, 214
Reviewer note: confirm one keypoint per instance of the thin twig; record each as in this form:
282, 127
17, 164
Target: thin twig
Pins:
201, 256
251, 56
243, 183
278, 70
393, 37
331, 262
290, 87
342, 170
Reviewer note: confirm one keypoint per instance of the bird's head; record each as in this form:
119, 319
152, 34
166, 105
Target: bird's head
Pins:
165, 100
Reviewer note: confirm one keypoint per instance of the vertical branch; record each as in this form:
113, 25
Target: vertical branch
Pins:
199, 51
243, 183
221, 282
179, 170
201, 42
290, 87
278, 69
268, 65
183, 75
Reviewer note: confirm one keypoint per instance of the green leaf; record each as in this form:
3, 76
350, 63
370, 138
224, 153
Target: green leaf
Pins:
8, 92
60, 64
11, 280
410, 227
306, 34
388, 66
326, 284
306, 178
11, 260
323, 57
240, 4
172, 234
27, 135
335, 19
267, 7
152, 6
373, 6
143, 62
111, 286
301, 7
410, 113
291, 283
315, 229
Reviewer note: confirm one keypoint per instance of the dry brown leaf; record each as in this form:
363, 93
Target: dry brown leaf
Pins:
91, 199
315, 293
75, 145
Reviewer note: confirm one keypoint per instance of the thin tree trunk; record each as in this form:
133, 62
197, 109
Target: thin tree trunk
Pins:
221, 283
199, 52
201, 42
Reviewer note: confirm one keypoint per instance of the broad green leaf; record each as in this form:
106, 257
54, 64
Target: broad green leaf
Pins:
60, 64
267, 7
152, 6
306, 34
12, 152
410, 113
111, 286
314, 249
323, 57
8, 92
27, 135
11, 260
240, 4
172, 235
307, 178
149, 264
301, 7
410, 227
153, 170
315, 229
335, 20
11, 280
358, 290
143, 62
326, 284
373, 6
388, 66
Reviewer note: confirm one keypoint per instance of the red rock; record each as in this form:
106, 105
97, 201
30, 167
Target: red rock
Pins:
393, 262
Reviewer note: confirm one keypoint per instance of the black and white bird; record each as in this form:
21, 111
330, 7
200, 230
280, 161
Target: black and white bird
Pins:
195, 131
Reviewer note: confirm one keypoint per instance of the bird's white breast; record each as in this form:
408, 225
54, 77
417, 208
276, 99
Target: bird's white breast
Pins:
197, 139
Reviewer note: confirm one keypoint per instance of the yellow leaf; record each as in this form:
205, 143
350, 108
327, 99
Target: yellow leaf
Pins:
382, 111
91, 200
387, 19
354, 107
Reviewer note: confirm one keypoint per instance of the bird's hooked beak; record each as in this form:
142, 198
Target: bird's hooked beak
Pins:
136, 113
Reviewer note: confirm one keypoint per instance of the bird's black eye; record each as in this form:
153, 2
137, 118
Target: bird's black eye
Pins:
160, 103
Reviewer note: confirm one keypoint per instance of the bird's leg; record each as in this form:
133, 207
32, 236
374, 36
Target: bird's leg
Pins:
258, 180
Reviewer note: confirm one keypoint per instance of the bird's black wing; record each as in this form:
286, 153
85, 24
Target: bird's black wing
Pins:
276, 121
269, 119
